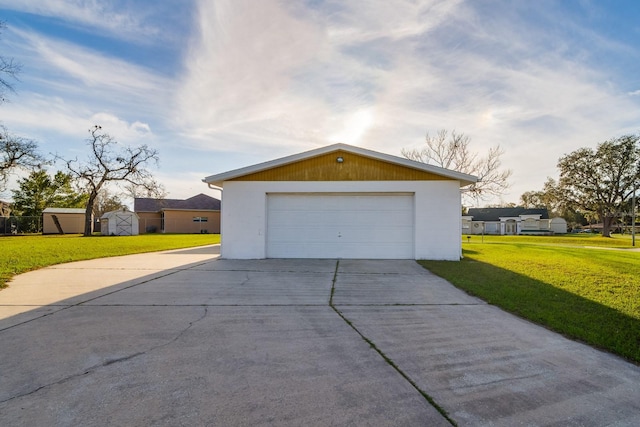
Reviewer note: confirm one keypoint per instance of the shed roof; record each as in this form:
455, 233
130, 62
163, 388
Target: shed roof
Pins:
494, 214
198, 202
122, 211
64, 210
463, 178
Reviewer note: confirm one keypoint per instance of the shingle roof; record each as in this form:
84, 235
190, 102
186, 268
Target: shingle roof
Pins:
199, 202
64, 210
494, 214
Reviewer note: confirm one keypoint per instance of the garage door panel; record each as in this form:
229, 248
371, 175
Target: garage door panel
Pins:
340, 226
297, 234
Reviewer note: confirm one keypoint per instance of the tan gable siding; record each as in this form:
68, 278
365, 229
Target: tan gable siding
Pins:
178, 221
149, 222
354, 168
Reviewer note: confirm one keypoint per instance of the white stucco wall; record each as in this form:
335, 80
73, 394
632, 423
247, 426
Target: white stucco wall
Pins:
436, 203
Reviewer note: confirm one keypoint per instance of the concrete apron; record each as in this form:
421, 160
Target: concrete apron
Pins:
183, 338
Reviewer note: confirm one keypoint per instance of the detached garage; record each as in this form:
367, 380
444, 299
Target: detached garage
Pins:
341, 201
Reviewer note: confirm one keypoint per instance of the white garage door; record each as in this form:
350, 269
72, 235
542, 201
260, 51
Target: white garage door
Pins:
340, 226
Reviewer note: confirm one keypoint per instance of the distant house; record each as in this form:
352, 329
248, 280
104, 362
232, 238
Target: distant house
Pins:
197, 214
63, 221
510, 221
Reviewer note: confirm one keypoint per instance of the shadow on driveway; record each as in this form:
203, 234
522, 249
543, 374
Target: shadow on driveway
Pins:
184, 338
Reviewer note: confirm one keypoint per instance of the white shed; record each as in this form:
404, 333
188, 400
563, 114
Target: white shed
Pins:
341, 201
122, 222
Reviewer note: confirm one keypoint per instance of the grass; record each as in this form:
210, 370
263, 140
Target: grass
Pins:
564, 283
25, 253
580, 240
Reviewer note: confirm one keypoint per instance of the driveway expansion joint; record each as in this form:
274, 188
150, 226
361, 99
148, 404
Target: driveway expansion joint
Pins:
390, 362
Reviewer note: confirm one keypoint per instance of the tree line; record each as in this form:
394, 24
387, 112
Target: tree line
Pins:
594, 184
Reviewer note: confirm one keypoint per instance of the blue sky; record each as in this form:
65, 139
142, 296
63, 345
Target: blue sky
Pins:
219, 84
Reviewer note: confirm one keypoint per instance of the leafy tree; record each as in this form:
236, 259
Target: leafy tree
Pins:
107, 163
451, 151
39, 191
600, 183
551, 198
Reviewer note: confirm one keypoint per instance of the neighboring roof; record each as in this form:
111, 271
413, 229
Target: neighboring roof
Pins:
64, 210
494, 214
218, 179
201, 202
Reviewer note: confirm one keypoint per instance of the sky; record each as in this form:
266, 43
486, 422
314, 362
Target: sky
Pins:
216, 85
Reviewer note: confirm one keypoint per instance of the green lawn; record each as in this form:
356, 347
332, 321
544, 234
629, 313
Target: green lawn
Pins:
572, 284
25, 253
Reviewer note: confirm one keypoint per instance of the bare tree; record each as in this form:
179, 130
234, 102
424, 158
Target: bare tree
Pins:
9, 70
451, 151
135, 191
107, 163
16, 153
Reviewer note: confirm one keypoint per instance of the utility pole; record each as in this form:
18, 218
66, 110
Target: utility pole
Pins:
633, 206
633, 214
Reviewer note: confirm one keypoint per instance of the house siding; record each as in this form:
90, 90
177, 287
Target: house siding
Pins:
179, 221
149, 222
182, 221
436, 205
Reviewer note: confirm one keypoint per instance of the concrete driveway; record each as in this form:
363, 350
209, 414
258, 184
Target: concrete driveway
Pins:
183, 338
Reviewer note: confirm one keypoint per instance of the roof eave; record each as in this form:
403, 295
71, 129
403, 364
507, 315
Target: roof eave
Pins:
190, 209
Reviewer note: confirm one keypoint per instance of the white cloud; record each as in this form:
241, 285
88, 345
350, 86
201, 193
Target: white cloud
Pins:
381, 74
394, 20
122, 130
115, 17
72, 64
269, 78
289, 79
242, 70
71, 88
